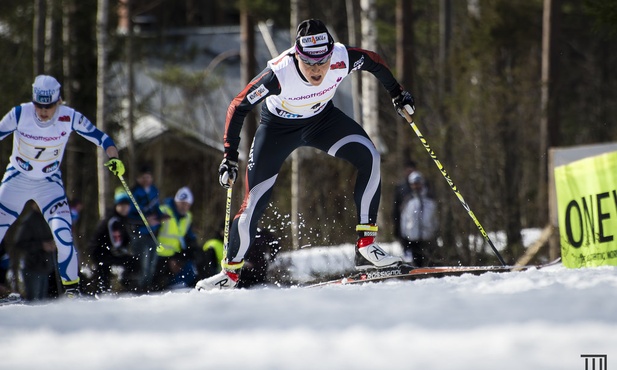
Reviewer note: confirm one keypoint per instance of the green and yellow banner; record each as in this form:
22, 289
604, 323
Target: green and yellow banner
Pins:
587, 208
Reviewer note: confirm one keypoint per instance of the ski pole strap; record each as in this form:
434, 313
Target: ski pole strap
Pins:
367, 229
231, 265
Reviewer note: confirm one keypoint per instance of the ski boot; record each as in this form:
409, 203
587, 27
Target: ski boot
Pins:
71, 291
226, 279
370, 255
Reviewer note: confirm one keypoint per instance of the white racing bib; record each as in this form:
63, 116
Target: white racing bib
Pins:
38, 152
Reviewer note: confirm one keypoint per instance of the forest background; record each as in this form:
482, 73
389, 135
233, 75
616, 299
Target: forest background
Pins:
497, 83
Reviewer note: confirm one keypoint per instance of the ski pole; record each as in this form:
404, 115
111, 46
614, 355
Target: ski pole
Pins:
141, 214
452, 186
227, 218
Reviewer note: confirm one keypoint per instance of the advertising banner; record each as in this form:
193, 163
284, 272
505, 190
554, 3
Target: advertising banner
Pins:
587, 210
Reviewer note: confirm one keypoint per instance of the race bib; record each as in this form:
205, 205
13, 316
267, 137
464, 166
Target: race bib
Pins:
39, 152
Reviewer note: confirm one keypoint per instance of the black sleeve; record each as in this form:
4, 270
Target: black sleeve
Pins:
365, 60
262, 86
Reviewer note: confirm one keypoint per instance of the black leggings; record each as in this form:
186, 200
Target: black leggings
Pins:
276, 138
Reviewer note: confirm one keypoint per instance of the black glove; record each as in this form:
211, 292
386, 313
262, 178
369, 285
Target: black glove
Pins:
228, 172
404, 101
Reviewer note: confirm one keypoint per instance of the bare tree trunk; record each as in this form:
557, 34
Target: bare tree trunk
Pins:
68, 35
130, 35
405, 68
299, 12
445, 33
370, 110
356, 92
247, 56
549, 121
445, 29
51, 54
101, 35
40, 15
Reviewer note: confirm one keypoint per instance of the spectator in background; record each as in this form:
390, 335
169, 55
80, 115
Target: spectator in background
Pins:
110, 244
146, 195
419, 223
177, 243
35, 243
402, 192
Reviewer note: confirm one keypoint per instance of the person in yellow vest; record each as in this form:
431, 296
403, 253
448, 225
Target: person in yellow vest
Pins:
176, 243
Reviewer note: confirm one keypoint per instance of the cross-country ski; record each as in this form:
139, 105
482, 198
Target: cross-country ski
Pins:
411, 273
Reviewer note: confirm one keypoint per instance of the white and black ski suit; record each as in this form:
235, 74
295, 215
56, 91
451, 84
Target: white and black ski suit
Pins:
297, 114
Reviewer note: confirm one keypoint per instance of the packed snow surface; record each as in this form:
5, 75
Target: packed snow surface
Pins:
535, 319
